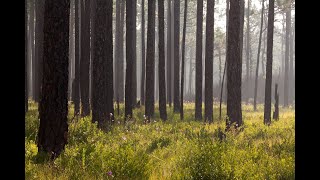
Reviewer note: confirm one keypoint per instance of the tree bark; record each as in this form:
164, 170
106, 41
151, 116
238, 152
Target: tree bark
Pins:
134, 52
258, 56
143, 55
76, 83
130, 26
149, 109
234, 67
85, 57
267, 100
169, 54
102, 95
276, 104
117, 49
286, 75
53, 106
176, 103
183, 51
25, 56
120, 71
209, 62
161, 66
198, 74
248, 51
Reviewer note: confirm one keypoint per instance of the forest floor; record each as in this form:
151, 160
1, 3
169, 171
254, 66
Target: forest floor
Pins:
174, 149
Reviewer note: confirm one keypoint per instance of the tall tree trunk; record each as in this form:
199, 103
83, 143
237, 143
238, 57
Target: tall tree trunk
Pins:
161, 66
149, 109
183, 50
117, 50
25, 56
220, 67
208, 107
102, 95
291, 80
133, 55
176, 104
76, 82
258, 56
286, 75
32, 47
198, 74
248, 51
234, 67
242, 5
169, 54
38, 46
92, 38
190, 71
85, 57
53, 106
276, 104
267, 98
120, 72
143, 55
129, 59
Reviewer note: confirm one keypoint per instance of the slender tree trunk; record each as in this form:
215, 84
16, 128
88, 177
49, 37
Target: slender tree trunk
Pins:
53, 106
76, 82
257, 67
219, 53
227, 25
117, 49
133, 55
190, 71
102, 95
32, 47
169, 60
161, 66
120, 71
209, 62
276, 104
267, 100
242, 5
130, 26
291, 80
286, 71
143, 55
92, 39
149, 109
38, 46
25, 56
234, 67
85, 57
248, 51
198, 74
176, 103
183, 50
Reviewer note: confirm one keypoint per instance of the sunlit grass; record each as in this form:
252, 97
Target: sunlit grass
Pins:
173, 149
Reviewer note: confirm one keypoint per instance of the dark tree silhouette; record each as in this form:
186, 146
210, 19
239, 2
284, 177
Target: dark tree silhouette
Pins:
149, 109
169, 54
85, 57
208, 107
258, 56
130, 43
133, 55
276, 104
143, 55
176, 104
102, 95
76, 81
161, 66
25, 56
117, 50
286, 64
267, 98
38, 47
92, 38
53, 106
183, 50
120, 72
198, 74
234, 114
248, 47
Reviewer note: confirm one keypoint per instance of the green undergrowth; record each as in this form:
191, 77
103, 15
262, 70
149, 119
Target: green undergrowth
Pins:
173, 149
